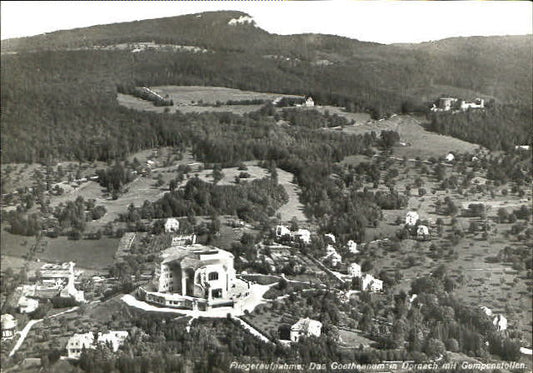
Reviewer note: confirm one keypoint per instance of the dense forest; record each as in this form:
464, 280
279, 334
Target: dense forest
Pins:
59, 102
497, 128
253, 201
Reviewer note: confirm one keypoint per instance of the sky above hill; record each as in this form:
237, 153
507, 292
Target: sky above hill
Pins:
378, 21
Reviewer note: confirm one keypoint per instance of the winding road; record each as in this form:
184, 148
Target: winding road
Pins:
24, 332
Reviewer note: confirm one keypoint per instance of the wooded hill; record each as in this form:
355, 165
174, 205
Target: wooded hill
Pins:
56, 97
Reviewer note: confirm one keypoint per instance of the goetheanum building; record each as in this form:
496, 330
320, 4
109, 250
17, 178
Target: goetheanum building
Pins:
195, 277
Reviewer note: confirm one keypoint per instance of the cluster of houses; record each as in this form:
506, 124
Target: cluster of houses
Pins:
80, 342
53, 280
456, 104
333, 258
367, 282
299, 235
412, 221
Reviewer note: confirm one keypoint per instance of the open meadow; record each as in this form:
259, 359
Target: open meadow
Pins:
418, 142
199, 99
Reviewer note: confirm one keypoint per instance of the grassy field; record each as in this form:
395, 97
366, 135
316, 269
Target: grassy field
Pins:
352, 339
91, 254
293, 208
197, 99
358, 118
421, 143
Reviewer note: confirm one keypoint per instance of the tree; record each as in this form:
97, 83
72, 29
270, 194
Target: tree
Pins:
282, 284
435, 347
173, 184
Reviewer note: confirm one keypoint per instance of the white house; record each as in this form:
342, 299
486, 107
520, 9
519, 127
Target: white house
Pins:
450, 157
500, 322
305, 328
422, 232
352, 247
330, 250
77, 343
309, 102
172, 225
333, 255
9, 326
303, 235
411, 218
354, 270
282, 230
370, 283
27, 305
114, 339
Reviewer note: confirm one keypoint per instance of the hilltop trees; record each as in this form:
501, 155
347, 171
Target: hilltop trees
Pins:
114, 178
484, 127
251, 201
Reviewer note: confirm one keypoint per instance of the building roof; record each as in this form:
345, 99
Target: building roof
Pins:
8, 321
195, 256
303, 325
81, 340
63, 270
114, 337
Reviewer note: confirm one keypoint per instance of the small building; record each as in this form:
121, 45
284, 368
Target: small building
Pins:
309, 102
354, 270
77, 343
59, 279
422, 232
522, 147
172, 225
9, 326
184, 240
336, 259
456, 104
450, 157
446, 103
486, 310
305, 328
333, 256
478, 103
411, 218
370, 283
282, 230
500, 322
113, 338
27, 305
352, 247
303, 235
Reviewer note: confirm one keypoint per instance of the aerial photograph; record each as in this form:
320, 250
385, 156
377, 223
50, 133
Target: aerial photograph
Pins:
266, 186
